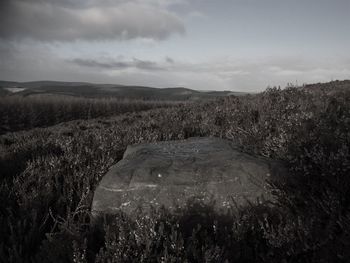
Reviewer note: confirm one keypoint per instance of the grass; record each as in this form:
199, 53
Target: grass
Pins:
49, 175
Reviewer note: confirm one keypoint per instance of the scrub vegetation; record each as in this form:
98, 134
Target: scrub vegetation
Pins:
48, 176
23, 113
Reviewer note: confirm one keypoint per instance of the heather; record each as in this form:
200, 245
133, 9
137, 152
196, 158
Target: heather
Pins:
26, 112
48, 176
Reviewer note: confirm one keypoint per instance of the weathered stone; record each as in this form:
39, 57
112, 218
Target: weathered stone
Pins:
166, 172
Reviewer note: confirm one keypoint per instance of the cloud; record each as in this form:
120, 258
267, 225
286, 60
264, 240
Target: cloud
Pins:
110, 64
70, 20
169, 60
37, 61
229, 74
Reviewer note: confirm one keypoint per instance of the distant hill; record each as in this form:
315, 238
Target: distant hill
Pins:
83, 89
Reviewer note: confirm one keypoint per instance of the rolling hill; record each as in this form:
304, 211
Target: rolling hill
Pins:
90, 90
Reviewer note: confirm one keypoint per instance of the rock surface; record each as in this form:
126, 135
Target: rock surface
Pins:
164, 172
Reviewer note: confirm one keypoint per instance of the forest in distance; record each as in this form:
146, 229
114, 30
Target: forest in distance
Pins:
54, 150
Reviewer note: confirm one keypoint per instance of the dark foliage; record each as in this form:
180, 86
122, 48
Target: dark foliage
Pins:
24, 113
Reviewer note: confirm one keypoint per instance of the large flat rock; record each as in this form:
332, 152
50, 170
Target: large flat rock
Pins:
168, 173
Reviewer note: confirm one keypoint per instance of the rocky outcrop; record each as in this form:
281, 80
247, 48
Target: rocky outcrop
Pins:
168, 173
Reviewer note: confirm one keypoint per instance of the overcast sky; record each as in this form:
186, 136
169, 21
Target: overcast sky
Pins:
239, 45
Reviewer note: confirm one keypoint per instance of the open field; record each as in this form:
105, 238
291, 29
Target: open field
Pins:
48, 176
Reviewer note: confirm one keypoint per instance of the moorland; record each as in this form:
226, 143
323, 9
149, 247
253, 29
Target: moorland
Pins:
55, 148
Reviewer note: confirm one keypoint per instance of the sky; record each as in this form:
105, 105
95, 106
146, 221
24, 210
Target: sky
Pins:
238, 45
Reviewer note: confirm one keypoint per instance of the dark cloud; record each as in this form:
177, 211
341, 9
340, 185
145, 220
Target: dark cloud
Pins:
70, 20
118, 65
169, 60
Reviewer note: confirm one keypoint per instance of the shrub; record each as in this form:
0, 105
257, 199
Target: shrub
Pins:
45, 200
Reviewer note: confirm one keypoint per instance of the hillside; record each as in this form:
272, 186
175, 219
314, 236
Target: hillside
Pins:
49, 176
90, 90
329, 87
